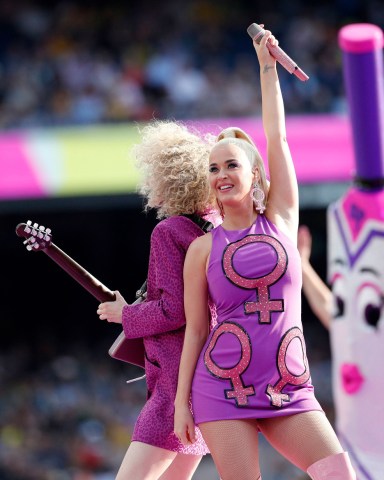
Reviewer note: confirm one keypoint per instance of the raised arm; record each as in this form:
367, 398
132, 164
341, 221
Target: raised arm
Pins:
283, 195
317, 293
197, 329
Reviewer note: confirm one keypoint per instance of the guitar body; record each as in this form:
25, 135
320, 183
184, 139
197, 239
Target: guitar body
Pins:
129, 350
39, 238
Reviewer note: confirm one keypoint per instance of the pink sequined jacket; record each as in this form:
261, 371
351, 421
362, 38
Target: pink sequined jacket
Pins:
160, 321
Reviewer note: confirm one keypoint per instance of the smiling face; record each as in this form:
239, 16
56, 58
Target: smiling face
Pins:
230, 174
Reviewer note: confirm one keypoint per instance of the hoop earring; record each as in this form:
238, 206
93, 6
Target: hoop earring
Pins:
258, 197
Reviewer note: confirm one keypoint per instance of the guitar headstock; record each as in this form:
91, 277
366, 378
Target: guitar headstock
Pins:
37, 237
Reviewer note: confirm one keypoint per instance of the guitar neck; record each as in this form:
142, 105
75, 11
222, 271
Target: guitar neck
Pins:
78, 273
39, 238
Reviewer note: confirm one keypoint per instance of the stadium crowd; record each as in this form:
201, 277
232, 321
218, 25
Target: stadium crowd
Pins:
68, 62
64, 417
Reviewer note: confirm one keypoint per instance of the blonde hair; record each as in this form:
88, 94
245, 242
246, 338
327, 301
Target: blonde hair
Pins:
237, 136
173, 161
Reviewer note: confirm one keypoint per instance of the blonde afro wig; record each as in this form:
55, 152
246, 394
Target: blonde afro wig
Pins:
173, 160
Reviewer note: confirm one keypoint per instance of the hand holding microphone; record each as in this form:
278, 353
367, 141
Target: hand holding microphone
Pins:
256, 32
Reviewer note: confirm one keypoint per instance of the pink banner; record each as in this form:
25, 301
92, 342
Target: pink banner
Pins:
321, 145
18, 178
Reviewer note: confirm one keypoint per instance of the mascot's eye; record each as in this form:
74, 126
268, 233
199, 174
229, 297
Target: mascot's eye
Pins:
372, 314
369, 306
338, 307
339, 291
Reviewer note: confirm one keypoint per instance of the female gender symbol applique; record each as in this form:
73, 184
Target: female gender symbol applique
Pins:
286, 377
264, 305
239, 392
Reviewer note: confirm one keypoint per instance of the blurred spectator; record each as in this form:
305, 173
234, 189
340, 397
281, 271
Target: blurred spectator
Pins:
71, 62
67, 418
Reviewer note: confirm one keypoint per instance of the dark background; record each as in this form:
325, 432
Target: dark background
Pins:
42, 303
109, 237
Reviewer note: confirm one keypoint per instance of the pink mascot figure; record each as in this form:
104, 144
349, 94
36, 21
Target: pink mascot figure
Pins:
356, 260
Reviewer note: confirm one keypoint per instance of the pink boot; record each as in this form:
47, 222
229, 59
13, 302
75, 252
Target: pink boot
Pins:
334, 467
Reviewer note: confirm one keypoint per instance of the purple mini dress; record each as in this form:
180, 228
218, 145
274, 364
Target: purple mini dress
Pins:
254, 362
160, 321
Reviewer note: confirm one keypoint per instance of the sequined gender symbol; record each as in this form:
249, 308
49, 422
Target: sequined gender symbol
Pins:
286, 377
239, 392
264, 305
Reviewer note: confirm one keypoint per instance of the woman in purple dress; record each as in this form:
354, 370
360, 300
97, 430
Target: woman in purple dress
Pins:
173, 161
250, 374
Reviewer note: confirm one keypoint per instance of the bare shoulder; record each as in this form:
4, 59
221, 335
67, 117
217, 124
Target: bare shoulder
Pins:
200, 248
201, 244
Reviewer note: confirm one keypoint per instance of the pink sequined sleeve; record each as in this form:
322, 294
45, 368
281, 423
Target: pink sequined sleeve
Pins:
163, 311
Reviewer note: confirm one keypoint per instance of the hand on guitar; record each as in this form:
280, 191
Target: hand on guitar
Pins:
38, 238
112, 311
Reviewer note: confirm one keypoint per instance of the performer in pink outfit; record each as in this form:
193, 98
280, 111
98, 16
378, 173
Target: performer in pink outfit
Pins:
250, 374
173, 161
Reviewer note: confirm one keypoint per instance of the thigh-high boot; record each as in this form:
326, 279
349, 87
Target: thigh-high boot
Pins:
334, 467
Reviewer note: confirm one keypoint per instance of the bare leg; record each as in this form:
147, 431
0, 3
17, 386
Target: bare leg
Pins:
303, 438
182, 468
234, 447
144, 462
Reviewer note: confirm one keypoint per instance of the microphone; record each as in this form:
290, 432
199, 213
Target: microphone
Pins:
256, 33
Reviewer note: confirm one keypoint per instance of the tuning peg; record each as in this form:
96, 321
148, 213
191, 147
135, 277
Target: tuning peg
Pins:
27, 228
41, 232
30, 240
29, 243
47, 236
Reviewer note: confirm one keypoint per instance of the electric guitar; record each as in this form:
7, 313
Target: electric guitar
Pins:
39, 238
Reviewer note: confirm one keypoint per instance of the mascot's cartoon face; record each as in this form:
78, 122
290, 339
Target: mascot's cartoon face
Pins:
356, 274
